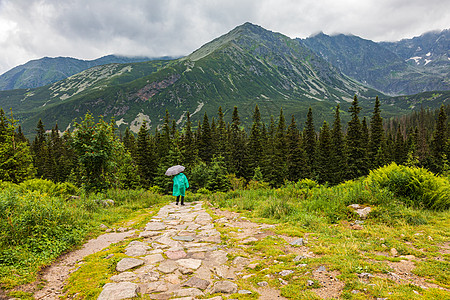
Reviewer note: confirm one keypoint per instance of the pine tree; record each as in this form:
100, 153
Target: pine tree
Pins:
129, 142
255, 142
356, 151
16, 162
399, 148
145, 156
238, 153
221, 138
310, 142
280, 152
296, 156
188, 148
39, 149
377, 141
324, 164
205, 147
339, 153
439, 142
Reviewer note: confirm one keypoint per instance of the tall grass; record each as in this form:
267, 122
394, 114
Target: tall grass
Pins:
39, 222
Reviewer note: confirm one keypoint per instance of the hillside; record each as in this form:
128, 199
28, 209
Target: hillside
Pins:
387, 66
249, 65
47, 70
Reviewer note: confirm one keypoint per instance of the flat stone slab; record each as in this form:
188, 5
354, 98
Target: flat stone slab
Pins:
196, 282
149, 276
167, 266
153, 258
155, 226
118, 291
128, 263
125, 276
226, 287
189, 263
176, 254
184, 238
147, 234
156, 287
190, 292
136, 248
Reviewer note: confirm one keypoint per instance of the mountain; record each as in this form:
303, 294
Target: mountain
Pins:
247, 66
380, 65
430, 50
40, 72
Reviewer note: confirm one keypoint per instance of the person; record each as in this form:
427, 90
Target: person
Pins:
180, 184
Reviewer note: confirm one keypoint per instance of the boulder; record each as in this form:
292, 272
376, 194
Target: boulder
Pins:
226, 287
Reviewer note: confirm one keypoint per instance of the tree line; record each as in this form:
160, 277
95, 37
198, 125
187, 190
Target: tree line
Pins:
96, 156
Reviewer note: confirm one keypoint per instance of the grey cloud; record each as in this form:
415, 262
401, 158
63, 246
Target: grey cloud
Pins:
92, 28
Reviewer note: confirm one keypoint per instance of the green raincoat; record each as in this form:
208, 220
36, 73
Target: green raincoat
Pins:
180, 184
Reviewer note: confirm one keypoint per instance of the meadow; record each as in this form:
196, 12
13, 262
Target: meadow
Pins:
40, 220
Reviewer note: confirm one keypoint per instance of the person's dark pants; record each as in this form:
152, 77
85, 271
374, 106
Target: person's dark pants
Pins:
182, 200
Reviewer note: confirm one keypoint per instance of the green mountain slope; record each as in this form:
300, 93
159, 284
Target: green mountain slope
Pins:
47, 70
247, 66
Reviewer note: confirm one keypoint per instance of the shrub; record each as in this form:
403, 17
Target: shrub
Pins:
417, 187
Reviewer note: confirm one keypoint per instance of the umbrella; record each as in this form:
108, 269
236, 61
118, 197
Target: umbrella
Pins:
174, 170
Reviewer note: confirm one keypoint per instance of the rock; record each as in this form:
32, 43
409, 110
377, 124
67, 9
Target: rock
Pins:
153, 258
355, 292
156, 287
167, 266
173, 278
364, 212
282, 281
149, 276
125, 276
321, 269
107, 202
357, 227
430, 238
147, 234
394, 252
109, 256
286, 272
248, 276
213, 298
176, 254
354, 206
299, 257
189, 263
128, 263
240, 261
252, 266
226, 287
263, 283
249, 240
155, 226
117, 291
310, 283
184, 238
136, 248
365, 275
219, 257
103, 226
190, 292
196, 282
185, 271
297, 242
72, 197
244, 292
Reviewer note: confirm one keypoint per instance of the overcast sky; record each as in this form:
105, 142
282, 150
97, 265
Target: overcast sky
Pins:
88, 29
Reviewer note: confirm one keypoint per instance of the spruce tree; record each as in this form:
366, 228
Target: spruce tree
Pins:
377, 142
339, 153
296, 156
356, 151
439, 142
255, 147
188, 148
16, 162
324, 158
310, 142
145, 156
39, 149
221, 139
129, 142
280, 152
238, 163
399, 148
205, 145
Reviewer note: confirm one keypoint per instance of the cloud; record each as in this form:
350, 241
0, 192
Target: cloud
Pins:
89, 29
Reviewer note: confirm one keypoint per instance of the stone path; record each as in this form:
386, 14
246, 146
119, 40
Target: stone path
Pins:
180, 257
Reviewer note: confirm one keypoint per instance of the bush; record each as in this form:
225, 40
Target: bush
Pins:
417, 187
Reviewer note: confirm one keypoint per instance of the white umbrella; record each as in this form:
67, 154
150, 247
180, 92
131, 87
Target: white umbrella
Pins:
174, 170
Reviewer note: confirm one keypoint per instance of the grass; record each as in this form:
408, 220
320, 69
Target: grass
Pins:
321, 215
39, 223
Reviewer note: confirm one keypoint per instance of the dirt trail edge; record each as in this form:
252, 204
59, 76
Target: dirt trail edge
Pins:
56, 275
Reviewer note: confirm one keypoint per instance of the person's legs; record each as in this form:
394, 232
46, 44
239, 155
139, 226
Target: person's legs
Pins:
178, 199
182, 200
